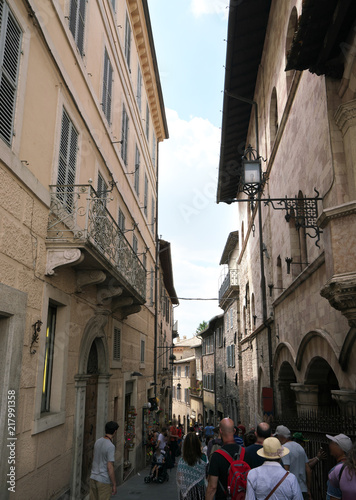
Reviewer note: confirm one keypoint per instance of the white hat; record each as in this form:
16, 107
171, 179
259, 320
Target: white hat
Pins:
343, 441
272, 449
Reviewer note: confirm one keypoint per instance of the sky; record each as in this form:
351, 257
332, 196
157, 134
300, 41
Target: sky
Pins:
190, 42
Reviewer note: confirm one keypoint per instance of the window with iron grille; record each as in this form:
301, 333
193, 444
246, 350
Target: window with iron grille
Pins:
77, 22
10, 50
137, 170
124, 134
102, 189
117, 344
145, 201
127, 41
67, 162
147, 121
107, 87
121, 220
139, 87
142, 351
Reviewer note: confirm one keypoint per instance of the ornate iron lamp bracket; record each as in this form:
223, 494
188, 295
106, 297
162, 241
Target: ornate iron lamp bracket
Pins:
304, 211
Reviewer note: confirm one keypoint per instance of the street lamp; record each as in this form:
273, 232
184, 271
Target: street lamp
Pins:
252, 176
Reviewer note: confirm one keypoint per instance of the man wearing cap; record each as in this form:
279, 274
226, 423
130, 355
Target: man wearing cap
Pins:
296, 461
270, 480
102, 477
338, 446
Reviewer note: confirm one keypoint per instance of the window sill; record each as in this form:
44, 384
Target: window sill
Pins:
48, 421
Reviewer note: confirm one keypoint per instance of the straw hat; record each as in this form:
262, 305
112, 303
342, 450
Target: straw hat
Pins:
272, 449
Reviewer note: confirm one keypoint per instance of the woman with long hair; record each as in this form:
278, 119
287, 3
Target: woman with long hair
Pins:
191, 470
343, 476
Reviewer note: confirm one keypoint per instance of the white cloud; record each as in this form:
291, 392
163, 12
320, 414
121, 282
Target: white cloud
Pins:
201, 7
189, 218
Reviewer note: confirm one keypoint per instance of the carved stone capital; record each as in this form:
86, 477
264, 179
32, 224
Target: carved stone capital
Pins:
345, 116
58, 257
306, 396
346, 399
340, 291
90, 277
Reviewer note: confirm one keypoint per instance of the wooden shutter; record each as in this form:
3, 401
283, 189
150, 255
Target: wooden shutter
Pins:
10, 49
107, 86
67, 161
117, 344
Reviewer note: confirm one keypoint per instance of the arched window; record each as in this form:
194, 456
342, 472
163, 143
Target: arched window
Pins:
273, 117
292, 28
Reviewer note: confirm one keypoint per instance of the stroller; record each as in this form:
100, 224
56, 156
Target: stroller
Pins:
162, 472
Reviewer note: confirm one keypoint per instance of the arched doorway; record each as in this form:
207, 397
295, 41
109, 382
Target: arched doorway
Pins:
91, 407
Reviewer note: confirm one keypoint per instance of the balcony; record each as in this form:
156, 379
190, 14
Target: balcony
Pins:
229, 286
81, 232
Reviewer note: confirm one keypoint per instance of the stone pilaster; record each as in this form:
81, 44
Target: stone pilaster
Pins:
307, 397
340, 291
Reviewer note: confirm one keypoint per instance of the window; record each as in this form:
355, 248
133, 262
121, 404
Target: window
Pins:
107, 87
153, 213
186, 396
147, 121
121, 220
220, 335
67, 162
230, 354
151, 285
179, 371
186, 371
178, 393
144, 261
113, 4
10, 49
124, 134
208, 381
134, 243
231, 318
102, 190
145, 202
127, 41
137, 171
154, 145
139, 88
273, 117
117, 344
174, 392
77, 22
48, 359
142, 359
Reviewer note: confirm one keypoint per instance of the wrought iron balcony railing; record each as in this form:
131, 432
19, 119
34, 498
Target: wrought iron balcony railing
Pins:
231, 280
79, 215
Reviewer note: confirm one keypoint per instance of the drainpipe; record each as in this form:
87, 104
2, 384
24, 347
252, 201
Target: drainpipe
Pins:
156, 285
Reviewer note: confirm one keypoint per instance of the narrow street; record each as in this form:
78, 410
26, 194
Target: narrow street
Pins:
136, 488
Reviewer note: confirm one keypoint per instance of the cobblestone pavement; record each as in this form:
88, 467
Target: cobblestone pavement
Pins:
135, 488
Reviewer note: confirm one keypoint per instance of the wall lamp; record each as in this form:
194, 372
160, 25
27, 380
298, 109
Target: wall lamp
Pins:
302, 209
36, 330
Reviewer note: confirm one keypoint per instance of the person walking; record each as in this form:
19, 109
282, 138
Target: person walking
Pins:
191, 471
219, 466
102, 477
270, 480
209, 430
343, 477
252, 458
296, 461
173, 441
338, 446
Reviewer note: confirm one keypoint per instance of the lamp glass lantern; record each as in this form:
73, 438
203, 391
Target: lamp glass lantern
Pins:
251, 171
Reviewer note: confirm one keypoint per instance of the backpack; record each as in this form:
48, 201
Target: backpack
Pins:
237, 475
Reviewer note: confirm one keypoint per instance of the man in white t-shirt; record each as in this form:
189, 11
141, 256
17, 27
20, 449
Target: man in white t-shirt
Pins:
162, 439
296, 461
102, 477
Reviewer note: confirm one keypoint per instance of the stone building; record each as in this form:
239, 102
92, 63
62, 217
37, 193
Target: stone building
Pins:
290, 93
187, 382
82, 115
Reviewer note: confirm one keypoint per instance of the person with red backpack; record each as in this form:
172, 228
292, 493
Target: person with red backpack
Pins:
227, 473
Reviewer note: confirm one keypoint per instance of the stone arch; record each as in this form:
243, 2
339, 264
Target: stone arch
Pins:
286, 374
320, 374
319, 341
94, 334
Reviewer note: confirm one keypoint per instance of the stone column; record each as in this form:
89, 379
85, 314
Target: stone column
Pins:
103, 399
346, 399
307, 397
78, 435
